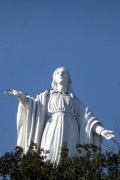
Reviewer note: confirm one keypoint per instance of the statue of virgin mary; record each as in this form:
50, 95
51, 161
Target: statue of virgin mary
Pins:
56, 116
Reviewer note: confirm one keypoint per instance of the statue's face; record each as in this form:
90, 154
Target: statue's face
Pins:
61, 76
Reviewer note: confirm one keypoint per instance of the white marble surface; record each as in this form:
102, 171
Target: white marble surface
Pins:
56, 116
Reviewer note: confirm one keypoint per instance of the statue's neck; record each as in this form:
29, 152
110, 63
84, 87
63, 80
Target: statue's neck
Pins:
62, 88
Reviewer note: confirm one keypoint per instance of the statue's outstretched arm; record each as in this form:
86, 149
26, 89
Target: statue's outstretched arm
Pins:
23, 99
98, 129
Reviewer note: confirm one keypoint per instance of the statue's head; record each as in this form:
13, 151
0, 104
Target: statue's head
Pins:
66, 77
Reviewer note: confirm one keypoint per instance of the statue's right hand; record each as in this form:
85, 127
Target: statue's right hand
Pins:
12, 92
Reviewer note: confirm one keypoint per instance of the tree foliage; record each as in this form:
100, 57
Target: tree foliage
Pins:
91, 164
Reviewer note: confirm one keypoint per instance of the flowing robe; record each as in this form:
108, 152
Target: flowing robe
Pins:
53, 118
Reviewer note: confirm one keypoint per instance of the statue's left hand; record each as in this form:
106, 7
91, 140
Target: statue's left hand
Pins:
107, 134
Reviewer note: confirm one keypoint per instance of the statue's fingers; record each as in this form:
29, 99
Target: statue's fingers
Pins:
11, 94
110, 136
113, 135
111, 132
7, 91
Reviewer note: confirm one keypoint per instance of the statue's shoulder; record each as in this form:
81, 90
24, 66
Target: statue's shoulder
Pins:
78, 101
43, 94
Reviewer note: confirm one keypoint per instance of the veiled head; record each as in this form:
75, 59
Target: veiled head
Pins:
66, 77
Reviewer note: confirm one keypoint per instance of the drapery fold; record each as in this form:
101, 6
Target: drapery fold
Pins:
31, 123
86, 121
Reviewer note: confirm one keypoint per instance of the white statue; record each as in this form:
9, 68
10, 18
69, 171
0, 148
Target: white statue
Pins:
56, 116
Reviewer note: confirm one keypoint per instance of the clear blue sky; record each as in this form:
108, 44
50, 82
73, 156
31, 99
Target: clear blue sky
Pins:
82, 35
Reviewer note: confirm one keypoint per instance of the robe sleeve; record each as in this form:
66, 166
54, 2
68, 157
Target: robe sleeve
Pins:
24, 100
31, 120
86, 122
25, 121
97, 128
